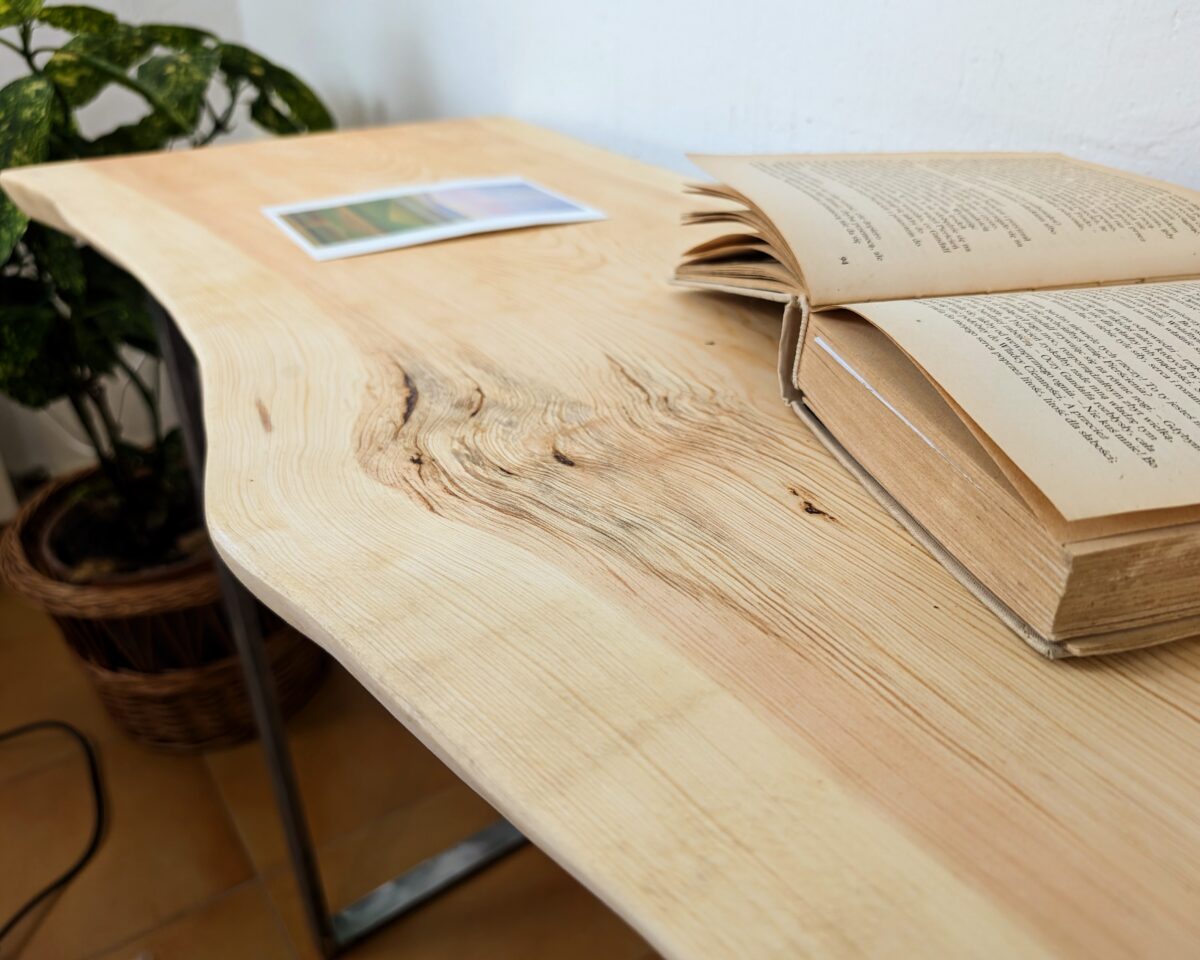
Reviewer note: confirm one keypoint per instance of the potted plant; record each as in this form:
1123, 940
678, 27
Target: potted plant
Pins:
116, 553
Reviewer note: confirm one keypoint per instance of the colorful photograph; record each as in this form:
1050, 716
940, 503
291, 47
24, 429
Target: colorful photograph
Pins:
405, 216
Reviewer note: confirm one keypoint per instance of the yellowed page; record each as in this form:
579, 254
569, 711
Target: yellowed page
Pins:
895, 226
1093, 393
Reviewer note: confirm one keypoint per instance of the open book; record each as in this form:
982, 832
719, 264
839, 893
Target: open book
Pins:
1005, 348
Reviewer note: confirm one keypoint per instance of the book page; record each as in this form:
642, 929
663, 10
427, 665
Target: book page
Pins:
897, 226
1094, 394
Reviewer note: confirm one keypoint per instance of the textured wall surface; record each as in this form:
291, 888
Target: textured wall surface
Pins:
1110, 80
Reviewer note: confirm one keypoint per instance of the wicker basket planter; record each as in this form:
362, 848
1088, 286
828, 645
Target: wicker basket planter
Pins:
154, 644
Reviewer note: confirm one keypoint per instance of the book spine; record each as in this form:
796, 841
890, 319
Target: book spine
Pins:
791, 342
1044, 645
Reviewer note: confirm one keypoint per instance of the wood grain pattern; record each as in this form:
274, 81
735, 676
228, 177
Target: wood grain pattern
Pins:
553, 514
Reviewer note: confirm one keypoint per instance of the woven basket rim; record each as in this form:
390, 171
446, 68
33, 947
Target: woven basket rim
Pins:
92, 601
207, 707
278, 643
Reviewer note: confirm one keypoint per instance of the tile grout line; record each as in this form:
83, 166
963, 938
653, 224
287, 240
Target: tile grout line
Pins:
254, 878
72, 755
279, 923
101, 735
260, 873
174, 917
230, 818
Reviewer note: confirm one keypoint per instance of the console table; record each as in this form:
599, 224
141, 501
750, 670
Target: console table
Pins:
552, 513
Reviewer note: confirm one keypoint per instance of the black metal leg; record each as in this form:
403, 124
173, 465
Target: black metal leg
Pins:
423, 882
247, 635
399, 895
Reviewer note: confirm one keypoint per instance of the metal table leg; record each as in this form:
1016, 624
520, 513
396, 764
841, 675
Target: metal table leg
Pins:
331, 932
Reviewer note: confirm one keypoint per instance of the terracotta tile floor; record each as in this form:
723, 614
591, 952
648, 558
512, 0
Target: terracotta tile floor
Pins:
193, 862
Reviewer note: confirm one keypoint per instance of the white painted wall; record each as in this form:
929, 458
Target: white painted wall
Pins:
1111, 80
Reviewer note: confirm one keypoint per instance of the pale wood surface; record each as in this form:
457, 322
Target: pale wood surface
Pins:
554, 515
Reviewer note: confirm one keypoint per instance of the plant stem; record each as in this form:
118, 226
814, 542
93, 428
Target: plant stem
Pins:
221, 123
85, 421
26, 51
99, 400
147, 397
122, 474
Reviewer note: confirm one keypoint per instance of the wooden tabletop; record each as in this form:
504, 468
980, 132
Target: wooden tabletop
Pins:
553, 514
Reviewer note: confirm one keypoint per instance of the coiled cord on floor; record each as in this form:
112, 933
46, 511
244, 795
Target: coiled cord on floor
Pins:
97, 824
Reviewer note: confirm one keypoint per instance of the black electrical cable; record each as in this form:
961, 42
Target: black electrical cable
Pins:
97, 825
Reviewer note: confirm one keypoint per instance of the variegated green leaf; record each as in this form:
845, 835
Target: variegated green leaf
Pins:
304, 106
153, 132
77, 18
33, 369
117, 303
59, 259
239, 61
24, 128
86, 64
178, 83
13, 12
264, 113
180, 80
24, 117
66, 140
176, 37
285, 104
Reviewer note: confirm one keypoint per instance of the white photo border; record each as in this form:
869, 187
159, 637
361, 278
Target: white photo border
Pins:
351, 248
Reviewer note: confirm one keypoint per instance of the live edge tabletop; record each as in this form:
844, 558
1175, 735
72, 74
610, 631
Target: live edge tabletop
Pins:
553, 514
